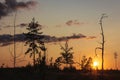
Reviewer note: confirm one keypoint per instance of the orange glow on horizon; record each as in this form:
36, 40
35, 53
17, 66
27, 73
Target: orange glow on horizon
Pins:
95, 64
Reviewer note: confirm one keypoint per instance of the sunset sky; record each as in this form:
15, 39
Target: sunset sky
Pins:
64, 18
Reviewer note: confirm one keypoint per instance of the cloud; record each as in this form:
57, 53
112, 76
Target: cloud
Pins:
91, 37
5, 39
64, 38
26, 25
73, 22
22, 25
8, 39
10, 6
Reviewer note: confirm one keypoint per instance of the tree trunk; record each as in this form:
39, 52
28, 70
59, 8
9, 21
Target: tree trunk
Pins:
33, 59
103, 41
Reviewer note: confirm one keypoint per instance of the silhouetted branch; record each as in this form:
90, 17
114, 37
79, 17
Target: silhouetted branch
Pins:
96, 50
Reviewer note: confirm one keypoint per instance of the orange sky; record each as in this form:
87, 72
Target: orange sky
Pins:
54, 15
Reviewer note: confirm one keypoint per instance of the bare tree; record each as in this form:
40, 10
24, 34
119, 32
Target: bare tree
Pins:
103, 40
115, 57
16, 58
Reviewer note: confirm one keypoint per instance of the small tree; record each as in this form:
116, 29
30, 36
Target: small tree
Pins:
34, 39
57, 63
67, 55
86, 64
83, 62
43, 61
115, 57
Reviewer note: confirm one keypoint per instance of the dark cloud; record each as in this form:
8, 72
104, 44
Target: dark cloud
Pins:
73, 22
12, 5
8, 39
3, 10
64, 38
5, 39
19, 37
25, 4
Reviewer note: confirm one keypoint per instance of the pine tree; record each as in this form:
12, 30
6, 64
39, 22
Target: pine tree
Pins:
67, 55
34, 40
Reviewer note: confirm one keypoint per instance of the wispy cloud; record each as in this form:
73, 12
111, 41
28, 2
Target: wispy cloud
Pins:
27, 24
8, 39
73, 22
22, 25
91, 37
12, 5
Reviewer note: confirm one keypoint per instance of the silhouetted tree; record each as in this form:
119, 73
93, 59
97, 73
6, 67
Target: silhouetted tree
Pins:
86, 64
39, 59
67, 55
83, 62
115, 57
89, 63
57, 63
103, 40
43, 61
34, 39
16, 57
51, 61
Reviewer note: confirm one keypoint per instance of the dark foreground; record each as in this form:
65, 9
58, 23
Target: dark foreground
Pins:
30, 74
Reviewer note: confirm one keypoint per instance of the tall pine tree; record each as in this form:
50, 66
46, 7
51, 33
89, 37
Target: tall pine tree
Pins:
34, 40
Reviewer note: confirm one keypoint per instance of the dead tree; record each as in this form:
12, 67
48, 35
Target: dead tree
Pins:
19, 57
115, 57
102, 41
16, 58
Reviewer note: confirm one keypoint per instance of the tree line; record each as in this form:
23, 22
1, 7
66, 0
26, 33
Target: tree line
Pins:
36, 47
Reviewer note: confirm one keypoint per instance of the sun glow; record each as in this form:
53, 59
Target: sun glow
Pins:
95, 64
